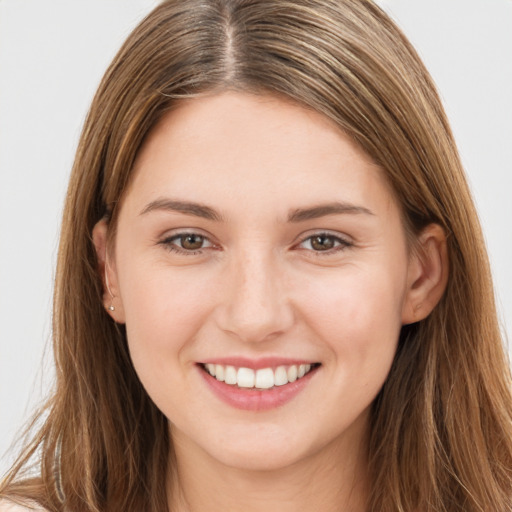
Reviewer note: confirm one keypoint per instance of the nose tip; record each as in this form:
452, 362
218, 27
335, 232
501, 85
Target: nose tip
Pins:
255, 306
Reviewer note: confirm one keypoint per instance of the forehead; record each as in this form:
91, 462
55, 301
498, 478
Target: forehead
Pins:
238, 147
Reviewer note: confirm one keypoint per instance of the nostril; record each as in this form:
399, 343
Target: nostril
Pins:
256, 323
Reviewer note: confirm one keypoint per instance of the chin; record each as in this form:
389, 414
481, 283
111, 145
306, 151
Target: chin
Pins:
258, 460
263, 447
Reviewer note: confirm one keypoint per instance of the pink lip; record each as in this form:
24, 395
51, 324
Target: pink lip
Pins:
256, 364
255, 399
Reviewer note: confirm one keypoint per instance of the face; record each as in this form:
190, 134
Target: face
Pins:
262, 271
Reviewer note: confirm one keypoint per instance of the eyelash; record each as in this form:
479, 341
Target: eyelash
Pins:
168, 243
340, 243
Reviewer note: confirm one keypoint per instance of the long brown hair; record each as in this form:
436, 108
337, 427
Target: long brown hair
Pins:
441, 431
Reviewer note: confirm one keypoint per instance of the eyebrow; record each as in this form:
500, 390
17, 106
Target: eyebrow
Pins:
186, 207
295, 216
322, 210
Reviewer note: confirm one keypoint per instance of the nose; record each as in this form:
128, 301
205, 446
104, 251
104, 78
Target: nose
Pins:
254, 306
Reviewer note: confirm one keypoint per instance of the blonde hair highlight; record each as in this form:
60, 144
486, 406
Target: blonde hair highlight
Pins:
442, 424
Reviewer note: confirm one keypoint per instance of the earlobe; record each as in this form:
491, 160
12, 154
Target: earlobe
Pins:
106, 269
428, 274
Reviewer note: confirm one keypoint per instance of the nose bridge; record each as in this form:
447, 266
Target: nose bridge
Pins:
256, 306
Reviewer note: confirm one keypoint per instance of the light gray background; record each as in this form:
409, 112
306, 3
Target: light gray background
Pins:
52, 56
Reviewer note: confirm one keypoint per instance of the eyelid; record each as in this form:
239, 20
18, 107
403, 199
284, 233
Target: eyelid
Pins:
344, 241
173, 233
167, 239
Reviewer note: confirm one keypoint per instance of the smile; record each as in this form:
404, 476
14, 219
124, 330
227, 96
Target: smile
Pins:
271, 384
263, 378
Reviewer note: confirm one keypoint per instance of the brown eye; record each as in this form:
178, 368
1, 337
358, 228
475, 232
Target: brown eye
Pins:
322, 242
191, 242
187, 243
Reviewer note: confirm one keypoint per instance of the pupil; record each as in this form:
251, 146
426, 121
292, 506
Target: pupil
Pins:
191, 242
322, 243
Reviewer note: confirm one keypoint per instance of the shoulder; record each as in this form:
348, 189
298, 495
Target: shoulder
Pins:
11, 506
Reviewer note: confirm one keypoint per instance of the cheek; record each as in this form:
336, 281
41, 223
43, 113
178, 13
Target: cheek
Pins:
356, 313
164, 310
357, 297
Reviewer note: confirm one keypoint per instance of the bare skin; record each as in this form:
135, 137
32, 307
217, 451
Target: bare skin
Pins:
254, 228
201, 485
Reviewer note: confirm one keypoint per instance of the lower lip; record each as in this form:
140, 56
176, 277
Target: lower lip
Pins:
251, 399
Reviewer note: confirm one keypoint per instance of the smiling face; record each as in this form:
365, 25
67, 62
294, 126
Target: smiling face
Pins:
256, 235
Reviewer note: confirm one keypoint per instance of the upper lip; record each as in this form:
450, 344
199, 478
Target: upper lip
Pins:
257, 364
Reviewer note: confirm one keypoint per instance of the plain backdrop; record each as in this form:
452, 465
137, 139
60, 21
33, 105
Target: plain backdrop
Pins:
52, 56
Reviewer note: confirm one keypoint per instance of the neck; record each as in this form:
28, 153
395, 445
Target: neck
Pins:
333, 479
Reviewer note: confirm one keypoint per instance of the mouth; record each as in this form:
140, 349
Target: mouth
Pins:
262, 379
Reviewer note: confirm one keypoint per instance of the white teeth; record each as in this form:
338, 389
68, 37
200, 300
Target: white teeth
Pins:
245, 378
219, 372
280, 377
264, 378
230, 375
292, 373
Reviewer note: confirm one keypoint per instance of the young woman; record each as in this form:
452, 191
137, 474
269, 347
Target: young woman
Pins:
272, 290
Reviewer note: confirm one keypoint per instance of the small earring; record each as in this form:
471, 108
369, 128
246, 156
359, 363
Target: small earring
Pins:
111, 307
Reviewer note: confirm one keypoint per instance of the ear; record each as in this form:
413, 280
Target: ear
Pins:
107, 271
427, 274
